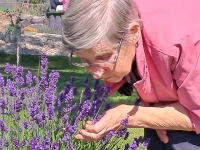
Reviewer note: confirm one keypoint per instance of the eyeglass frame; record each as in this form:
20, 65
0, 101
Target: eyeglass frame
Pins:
83, 65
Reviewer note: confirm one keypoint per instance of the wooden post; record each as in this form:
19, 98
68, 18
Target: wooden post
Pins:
18, 53
47, 19
48, 6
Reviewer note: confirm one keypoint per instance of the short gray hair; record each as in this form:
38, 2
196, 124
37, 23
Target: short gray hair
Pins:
87, 22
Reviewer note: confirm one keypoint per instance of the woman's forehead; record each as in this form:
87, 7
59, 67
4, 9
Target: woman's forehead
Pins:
98, 49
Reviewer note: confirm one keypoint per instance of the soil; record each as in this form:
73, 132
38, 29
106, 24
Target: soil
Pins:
4, 20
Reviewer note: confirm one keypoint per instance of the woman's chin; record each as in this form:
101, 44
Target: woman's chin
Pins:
113, 79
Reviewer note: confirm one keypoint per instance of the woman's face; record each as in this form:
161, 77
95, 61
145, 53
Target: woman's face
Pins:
111, 72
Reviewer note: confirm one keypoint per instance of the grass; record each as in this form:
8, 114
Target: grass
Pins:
60, 64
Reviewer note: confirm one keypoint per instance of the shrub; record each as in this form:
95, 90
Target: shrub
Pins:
34, 118
37, 1
30, 29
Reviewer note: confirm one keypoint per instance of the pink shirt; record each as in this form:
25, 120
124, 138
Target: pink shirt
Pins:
65, 4
168, 56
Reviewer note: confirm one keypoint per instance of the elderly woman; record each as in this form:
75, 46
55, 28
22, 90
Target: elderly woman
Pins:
152, 46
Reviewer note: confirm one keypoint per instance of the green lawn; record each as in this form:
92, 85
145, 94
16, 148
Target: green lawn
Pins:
60, 64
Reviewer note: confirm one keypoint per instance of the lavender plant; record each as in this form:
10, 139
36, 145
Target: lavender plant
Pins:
33, 117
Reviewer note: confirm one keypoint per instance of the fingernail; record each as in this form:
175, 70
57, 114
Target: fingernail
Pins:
165, 141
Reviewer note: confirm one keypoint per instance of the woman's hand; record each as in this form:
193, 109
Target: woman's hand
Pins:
162, 134
110, 121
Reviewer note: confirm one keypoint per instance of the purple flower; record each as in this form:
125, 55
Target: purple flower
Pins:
140, 139
7, 68
25, 124
85, 82
61, 96
108, 106
2, 104
97, 84
33, 109
124, 122
87, 93
35, 79
55, 146
3, 127
69, 131
1, 144
71, 146
6, 144
12, 90
84, 112
46, 143
72, 79
22, 143
65, 119
66, 138
67, 88
53, 79
121, 133
40, 104
126, 135
133, 145
97, 118
137, 101
39, 119
29, 78
126, 147
49, 97
22, 93
109, 135
20, 130
18, 104
17, 75
50, 111
75, 90
2, 85
43, 82
16, 142
44, 65
69, 97
107, 91
34, 144
146, 142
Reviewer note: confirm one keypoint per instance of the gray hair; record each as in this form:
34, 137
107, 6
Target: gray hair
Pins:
87, 22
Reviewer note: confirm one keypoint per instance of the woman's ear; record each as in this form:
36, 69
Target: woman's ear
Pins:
135, 31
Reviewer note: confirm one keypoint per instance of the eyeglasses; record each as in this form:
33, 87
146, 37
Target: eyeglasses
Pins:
99, 62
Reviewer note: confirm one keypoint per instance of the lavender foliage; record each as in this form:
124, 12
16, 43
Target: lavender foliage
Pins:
33, 116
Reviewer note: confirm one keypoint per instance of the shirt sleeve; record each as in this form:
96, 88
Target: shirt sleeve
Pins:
187, 76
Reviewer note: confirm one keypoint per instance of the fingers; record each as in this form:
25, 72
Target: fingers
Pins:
163, 131
163, 135
88, 136
97, 127
93, 132
90, 122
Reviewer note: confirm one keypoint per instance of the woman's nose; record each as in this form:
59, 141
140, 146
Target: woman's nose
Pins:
96, 71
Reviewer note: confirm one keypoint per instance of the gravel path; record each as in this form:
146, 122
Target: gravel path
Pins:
37, 43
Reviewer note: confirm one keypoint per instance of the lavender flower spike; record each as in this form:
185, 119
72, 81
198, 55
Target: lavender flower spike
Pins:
133, 146
124, 122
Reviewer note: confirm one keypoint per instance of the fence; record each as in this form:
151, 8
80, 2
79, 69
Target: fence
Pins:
24, 7
7, 4
53, 18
